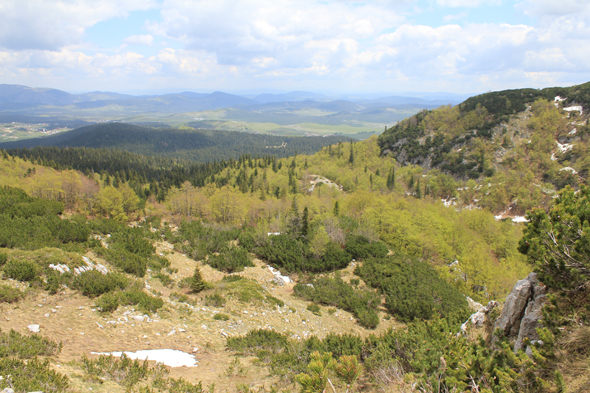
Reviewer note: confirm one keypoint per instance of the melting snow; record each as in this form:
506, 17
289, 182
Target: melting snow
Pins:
519, 219
574, 108
278, 275
170, 357
569, 169
565, 147
558, 98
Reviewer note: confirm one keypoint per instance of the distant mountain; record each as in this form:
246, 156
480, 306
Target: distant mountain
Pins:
287, 97
17, 94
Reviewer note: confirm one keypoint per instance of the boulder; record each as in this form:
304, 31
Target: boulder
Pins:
34, 328
521, 315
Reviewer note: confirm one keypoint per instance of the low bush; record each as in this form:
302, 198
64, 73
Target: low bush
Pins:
256, 340
34, 375
335, 292
230, 260
126, 260
165, 279
285, 253
107, 302
14, 344
314, 308
93, 283
3, 258
359, 247
413, 289
221, 317
232, 278
124, 371
9, 294
21, 270
144, 302
215, 300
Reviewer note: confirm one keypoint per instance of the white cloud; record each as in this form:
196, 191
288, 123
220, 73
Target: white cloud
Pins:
467, 3
145, 39
53, 24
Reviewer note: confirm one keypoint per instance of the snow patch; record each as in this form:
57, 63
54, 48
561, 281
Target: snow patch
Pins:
519, 219
169, 357
278, 275
573, 132
569, 169
558, 98
565, 147
574, 108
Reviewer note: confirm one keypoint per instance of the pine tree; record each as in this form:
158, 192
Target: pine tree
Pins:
305, 223
197, 283
351, 157
336, 210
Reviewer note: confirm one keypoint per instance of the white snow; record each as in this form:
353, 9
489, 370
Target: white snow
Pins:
565, 147
558, 98
278, 275
519, 219
574, 108
569, 169
170, 357
573, 132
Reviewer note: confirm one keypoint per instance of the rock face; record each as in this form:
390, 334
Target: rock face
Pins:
478, 319
521, 314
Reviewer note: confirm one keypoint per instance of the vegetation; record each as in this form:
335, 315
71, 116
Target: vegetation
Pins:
336, 292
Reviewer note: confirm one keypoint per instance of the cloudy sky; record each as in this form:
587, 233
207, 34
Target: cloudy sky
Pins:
341, 46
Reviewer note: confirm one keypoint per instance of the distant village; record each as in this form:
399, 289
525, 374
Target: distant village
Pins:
16, 130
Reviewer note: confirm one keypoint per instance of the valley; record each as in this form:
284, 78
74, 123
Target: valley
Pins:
293, 263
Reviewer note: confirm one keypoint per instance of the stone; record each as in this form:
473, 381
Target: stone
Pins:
515, 306
521, 315
34, 328
7, 390
139, 318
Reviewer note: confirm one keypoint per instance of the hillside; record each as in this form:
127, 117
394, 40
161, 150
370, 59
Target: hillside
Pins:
185, 143
253, 264
507, 141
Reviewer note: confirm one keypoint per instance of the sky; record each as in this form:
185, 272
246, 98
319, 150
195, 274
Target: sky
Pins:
336, 46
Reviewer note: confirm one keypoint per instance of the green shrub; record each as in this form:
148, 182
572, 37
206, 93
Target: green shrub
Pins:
126, 261
215, 300
285, 253
144, 302
257, 340
21, 270
335, 292
164, 279
157, 263
3, 258
107, 302
124, 371
232, 278
221, 317
413, 289
359, 247
314, 308
34, 375
93, 283
17, 345
9, 294
230, 260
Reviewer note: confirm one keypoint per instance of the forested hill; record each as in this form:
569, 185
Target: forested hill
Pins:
186, 143
538, 137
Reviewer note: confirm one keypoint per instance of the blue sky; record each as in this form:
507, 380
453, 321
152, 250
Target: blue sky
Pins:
337, 46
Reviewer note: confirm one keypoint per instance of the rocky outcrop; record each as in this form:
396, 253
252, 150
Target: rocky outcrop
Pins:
479, 318
521, 315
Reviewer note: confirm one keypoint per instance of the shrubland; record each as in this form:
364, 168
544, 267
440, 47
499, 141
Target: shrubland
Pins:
422, 239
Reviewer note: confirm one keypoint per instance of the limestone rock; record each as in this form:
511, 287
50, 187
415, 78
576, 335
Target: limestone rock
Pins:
521, 315
478, 319
34, 328
515, 306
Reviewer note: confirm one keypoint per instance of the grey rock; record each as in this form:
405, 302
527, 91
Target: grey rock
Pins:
515, 306
532, 317
521, 315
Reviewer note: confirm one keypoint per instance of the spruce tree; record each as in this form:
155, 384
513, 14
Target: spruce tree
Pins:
197, 283
305, 222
